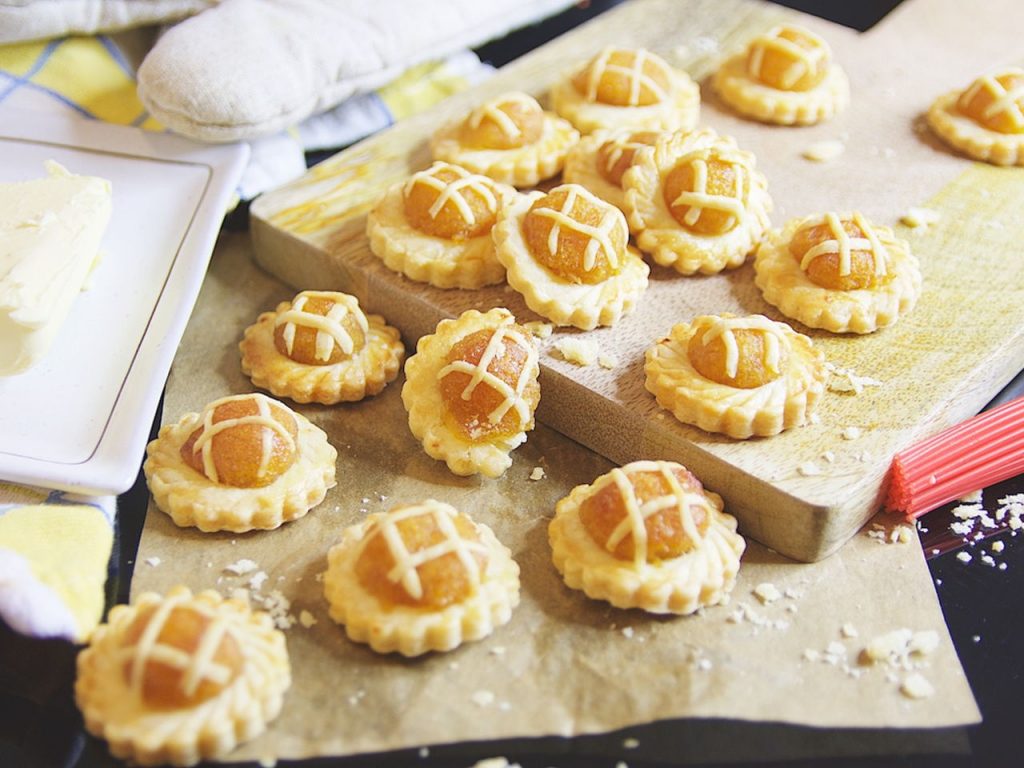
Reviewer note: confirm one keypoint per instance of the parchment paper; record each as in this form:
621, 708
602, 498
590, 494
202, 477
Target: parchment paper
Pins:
565, 664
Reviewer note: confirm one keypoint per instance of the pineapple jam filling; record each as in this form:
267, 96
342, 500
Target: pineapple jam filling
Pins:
789, 58
511, 121
624, 78
179, 658
736, 352
615, 156
246, 441
706, 192
669, 500
841, 254
484, 385
575, 235
996, 102
321, 328
421, 559
450, 202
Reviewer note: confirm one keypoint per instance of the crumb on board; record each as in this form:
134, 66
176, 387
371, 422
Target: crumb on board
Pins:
607, 361
823, 151
482, 698
578, 351
767, 592
809, 469
850, 433
306, 619
153, 562
537, 473
915, 686
845, 380
241, 567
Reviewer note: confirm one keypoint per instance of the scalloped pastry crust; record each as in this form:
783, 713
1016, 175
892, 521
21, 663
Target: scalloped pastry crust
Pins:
785, 402
439, 261
656, 229
772, 105
365, 373
421, 395
785, 285
192, 499
523, 166
977, 141
413, 631
115, 711
563, 303
679, 111
699, 578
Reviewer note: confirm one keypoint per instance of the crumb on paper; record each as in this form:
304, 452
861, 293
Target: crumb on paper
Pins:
153, 562
607, 361
627, 632
915, 686
498, 650
306, 619
537, 473
482, 698
257, 580
900, 647
828, 457
539, 328
920, 217
767, 592
850, 433
240, 567
630, 743
578, 351
823, 151
848, 630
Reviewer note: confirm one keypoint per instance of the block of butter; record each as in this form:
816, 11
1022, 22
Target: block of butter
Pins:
50, 233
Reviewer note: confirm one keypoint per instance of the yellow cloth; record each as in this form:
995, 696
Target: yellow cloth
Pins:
53, 566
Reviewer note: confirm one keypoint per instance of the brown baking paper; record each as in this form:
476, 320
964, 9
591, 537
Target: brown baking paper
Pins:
564, 664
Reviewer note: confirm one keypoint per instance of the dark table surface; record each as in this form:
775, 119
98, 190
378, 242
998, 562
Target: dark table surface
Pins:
982, 604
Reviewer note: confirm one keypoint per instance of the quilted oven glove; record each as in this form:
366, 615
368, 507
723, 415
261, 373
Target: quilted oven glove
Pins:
240, 69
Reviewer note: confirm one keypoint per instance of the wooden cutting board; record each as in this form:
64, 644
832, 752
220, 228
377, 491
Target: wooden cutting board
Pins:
934, 368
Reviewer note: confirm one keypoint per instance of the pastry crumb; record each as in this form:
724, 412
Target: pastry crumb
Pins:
152, 561
915, 686
498, 650
577, 351
920, 217
630, 743
963, 557
844, 380
268, 761
537, 473
241, 567
998, 547
482, 698
424, 752
306, 619
627, 632
809, 469
850, 433
494, 762
538, 328
848, 630
767, 592
823, 151
607, 361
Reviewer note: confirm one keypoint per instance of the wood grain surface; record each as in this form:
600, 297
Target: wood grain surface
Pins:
935, 367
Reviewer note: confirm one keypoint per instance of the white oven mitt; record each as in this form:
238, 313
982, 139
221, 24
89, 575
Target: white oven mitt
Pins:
246, 68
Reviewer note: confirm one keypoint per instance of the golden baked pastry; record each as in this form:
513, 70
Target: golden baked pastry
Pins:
567, 253
786, 76
181, 678
321, 348
738, 376
627, 88
647, 535
246, 462
985, 120
418, 578
471, 390
436, 227
695, 202
599, 161
509, 138
838, 272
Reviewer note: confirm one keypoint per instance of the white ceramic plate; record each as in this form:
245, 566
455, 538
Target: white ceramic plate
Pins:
79, 419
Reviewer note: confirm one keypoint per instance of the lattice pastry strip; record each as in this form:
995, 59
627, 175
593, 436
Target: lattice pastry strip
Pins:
725, 327
479, 373
412, 630
842, 244
454, 191
329, 328
699, 199
599, 236
1005, 101
702, 576
805, 60
634, 72
270, 428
